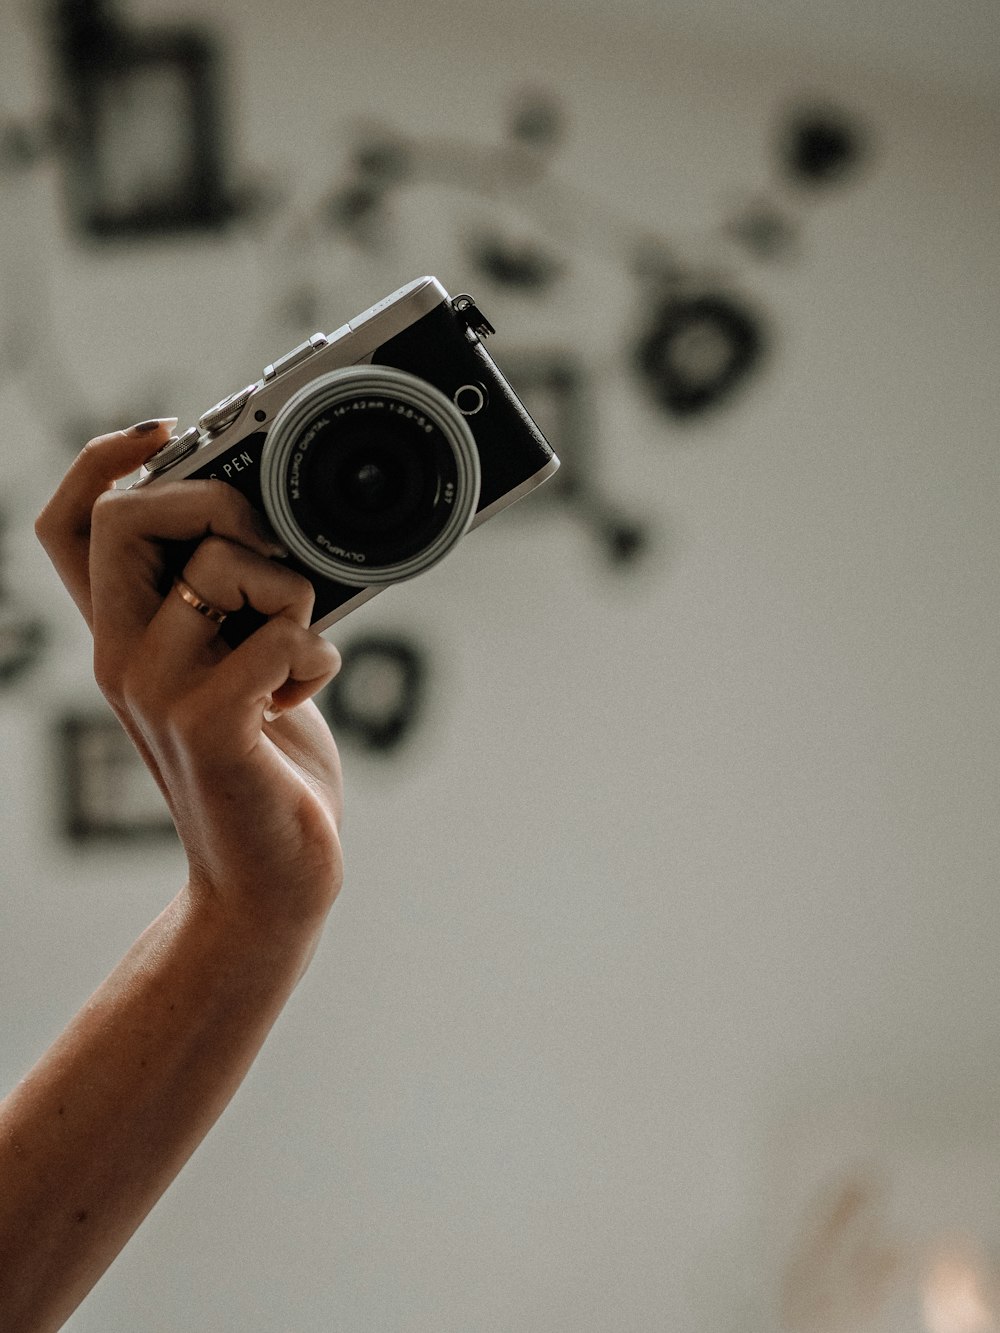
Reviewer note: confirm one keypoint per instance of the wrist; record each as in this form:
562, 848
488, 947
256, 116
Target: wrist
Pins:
280, 884
265, 944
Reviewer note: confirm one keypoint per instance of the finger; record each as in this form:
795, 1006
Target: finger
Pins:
99, 465
128, 560
305, 738
303, 734
282, 664
226, 577
63, 526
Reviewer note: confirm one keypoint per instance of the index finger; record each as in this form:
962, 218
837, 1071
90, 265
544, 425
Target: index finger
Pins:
63, 526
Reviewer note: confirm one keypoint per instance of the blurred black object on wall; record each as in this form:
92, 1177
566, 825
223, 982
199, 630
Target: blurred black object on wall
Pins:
698, 351
376, 701
140, 124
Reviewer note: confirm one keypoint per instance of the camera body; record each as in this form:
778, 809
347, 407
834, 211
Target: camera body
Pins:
371, 450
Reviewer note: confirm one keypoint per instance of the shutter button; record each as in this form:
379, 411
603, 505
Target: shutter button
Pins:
176, 448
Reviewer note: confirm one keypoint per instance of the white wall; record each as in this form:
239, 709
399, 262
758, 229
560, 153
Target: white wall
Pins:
687, 894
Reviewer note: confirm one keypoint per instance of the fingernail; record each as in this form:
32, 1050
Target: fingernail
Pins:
147, 427
271, 714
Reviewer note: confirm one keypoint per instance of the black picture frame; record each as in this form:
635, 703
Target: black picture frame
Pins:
376, 701
143, 140
108, 794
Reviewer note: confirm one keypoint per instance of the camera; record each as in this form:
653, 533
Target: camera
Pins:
371, 450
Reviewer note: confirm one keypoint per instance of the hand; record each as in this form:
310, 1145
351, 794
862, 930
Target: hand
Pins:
257, 803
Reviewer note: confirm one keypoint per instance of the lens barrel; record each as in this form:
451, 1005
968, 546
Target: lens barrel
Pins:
369, 475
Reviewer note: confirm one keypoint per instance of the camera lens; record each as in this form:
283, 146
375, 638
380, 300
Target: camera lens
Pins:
369, 475
379, 487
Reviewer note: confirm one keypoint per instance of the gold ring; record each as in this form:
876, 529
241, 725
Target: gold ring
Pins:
213, 613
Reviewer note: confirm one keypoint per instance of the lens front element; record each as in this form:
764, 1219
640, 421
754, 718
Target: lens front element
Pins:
369, 475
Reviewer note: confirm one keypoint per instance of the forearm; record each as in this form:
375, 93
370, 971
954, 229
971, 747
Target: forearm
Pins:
99, 1128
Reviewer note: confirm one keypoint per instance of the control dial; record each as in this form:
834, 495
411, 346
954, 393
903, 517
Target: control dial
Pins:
225, 413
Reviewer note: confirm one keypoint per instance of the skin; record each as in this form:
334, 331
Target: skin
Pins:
102, 1124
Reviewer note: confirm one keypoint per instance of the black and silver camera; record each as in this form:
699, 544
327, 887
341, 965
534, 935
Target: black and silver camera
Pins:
373, 449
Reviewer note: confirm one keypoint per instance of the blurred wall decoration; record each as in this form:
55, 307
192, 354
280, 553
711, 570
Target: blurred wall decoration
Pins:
109, 796
376, 699
137, 126
699, 338
138, 122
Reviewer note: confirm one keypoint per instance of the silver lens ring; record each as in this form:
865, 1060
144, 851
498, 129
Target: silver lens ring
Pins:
282, 454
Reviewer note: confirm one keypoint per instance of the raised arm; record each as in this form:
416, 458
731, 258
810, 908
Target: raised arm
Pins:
94, 1134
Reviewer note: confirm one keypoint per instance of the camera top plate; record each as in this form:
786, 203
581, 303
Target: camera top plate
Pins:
389, 317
